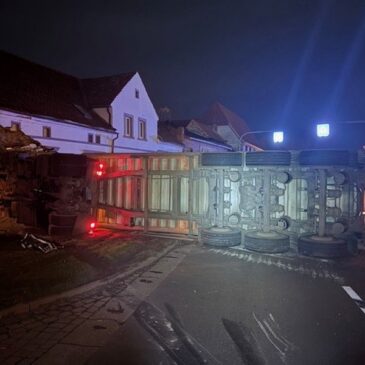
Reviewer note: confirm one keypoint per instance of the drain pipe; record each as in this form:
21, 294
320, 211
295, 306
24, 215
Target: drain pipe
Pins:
113, 140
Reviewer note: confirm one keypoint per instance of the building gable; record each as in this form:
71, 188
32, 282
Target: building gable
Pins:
228, 125
134, 117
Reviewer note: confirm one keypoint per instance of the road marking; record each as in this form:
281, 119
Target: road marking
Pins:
355, 297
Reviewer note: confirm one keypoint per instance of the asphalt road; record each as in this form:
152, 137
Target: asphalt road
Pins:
232, 307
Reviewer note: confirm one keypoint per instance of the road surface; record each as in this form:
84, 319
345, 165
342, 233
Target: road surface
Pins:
199, 305
232, 307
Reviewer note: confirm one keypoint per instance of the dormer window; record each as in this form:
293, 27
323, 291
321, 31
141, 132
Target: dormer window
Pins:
136, 93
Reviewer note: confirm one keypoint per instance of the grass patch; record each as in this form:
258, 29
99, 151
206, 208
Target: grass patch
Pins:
29, 274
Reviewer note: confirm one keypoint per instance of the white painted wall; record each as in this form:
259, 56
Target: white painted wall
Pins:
65, 137
142, 107
70, 137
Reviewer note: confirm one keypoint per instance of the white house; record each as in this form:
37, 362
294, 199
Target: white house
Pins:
72, 115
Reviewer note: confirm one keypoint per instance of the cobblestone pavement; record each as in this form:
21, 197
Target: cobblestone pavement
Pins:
25, 338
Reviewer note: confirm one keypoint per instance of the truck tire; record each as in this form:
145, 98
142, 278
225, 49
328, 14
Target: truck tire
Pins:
324, 158
326, 247
268, 158
268, 242
220, 237
221, 159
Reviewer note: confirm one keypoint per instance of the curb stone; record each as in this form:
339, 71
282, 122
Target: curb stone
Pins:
29, 306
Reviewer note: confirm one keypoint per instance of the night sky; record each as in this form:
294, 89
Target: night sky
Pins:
278, 64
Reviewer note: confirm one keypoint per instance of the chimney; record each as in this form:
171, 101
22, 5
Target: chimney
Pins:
180, 134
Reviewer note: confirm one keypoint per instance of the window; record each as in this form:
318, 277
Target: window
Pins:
47, 132
15, 126
136, 93
97, 139
128, 126
90, 138
141, 129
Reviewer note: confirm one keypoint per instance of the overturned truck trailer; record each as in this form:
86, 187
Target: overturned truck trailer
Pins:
267, 201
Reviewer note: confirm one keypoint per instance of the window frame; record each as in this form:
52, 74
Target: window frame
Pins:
90, 138
46, 132
97, 139
130, 133
136, 93
142, 122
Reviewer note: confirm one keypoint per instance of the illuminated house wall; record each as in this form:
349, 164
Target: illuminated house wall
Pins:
76, 115
65, 137
140, 109
72, 137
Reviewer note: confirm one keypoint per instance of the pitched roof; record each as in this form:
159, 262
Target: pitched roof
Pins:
167, 130
204, 130
38, 90
218, 114
102, 91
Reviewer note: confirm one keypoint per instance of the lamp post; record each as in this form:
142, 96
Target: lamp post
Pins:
324, 129
277, 136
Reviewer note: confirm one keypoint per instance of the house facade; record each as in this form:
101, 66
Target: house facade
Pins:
72, 115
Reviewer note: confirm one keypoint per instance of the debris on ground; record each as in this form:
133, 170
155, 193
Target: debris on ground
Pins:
32, 241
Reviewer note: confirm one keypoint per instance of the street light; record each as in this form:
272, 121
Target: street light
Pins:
277, 136
323, 129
